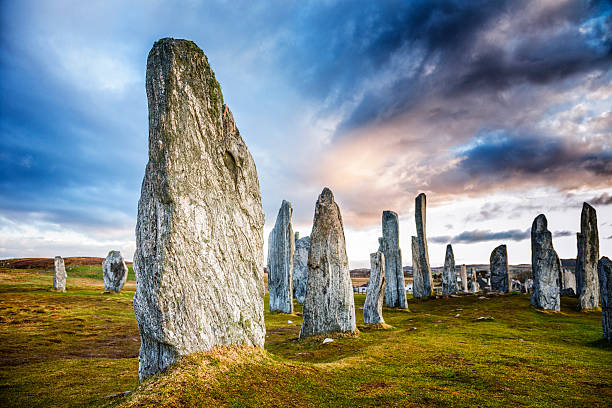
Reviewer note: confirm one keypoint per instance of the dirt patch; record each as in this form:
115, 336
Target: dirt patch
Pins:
373, 386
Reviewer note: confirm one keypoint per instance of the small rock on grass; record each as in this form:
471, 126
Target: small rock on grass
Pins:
327, 340
481, 318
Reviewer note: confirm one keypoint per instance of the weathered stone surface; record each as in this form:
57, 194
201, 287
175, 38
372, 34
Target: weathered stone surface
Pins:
604, 270
199, 232
499, 270
418, 286
395, 294
426, 290
372, 308
114, 271
475, 285
587, 282
464, 279
546, 267
281, 248
449, 275
300, 268
329, 305
482, 283
568, 282
59, 276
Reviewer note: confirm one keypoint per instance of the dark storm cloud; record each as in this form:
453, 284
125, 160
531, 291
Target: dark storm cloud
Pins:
560, 234
469, 237
603, 199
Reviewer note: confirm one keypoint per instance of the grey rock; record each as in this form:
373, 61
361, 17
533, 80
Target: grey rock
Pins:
546, 267
395, 294
199, 232
114, 272
464, 278
420, 205
329, 305
300, 268
475, 285
604, 269
381, 244
499, 270
418, 287
568, 281
281, 248
449, 275
372, 308
587, 282
59, 276
482, 283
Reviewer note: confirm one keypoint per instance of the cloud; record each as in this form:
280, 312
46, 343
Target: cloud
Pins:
603, 199
468, 237
559, 234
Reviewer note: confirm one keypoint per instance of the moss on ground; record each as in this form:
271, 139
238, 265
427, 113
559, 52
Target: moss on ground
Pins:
76, 348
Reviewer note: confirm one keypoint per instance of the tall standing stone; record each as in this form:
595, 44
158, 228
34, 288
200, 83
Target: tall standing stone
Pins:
372, 308
281, 248
449, 275
418, 287
464, 279
499, 270
300, 268
114, 272
568, 282
587, 284
395, 294
420, 207
546, 267
475, 285
329, 305
199, 232
604, 269
59, 276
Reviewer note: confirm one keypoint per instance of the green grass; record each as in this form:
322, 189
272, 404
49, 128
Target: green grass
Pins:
76, 348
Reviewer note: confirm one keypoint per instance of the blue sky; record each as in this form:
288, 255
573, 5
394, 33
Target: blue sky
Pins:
499, 111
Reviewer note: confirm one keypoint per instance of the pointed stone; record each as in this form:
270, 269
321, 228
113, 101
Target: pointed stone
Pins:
329, 306
587, 282
604, 269
300, 268
449, 275
372, 308
499, 270
199, 232
281, 248
59, 276
420, 207
464, 279
395, 294
546, 267
114, 272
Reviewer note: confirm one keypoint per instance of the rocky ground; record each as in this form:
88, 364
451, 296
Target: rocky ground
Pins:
79, 347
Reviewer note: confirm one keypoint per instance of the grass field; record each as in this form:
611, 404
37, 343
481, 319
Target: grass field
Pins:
77, 348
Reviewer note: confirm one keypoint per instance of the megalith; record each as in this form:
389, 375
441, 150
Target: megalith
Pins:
568, 282
475, 284
604, 269
587, 281
464, 279
114, 272
300, 267
546, 267
449, 275
199, 231
499, 270
395, 294
329, 305
281, 248
372, 308
59, 275
418, 287
420, 207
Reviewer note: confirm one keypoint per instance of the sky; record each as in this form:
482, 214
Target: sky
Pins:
498, 111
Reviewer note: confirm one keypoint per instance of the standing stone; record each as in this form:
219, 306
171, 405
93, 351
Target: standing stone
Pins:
199, 232
372, 308
568, 282
475, 285
482, 283
281, 248
426, 290
546, 267
587, 284
464, 279
418, 287
59, 277
499, 270
114, 272
329, 305
395, 294
604, 269
300, 267
449, 275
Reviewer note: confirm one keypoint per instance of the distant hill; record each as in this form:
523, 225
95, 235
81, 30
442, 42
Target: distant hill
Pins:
47, 263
